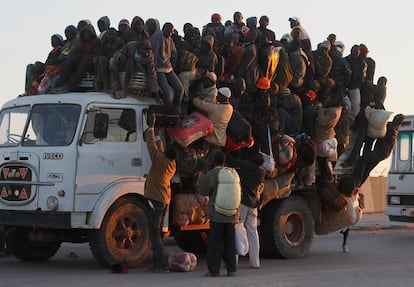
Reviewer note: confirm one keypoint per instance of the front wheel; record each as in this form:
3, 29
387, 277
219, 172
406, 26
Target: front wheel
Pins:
286, 228
19, 244
123, 236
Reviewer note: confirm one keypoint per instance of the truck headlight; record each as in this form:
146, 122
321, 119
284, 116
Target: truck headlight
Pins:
52, 203
395, 200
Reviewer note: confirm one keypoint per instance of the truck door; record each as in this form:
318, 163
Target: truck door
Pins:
113, 158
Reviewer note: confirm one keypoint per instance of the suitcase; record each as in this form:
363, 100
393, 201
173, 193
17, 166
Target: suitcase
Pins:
190, 128
239, 128
165, 116
181, 261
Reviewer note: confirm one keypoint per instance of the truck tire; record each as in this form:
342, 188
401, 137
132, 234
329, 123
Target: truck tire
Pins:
19, 244
286, 228
123, 236
194, 241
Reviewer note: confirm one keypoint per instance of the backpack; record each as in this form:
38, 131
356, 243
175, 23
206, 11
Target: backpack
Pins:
228, 195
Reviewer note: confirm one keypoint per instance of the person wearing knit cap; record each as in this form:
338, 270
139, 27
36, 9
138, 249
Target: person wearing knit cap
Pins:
214, 28
292, 104
123, 25
369, 77
248, 67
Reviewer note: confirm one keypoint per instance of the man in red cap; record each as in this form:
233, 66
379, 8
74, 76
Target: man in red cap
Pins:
214, 28
369, 77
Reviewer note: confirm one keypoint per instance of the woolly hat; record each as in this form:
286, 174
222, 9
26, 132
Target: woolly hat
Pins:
70, 28
216, 17
263, 83
124, 22
58, 36
311, 94
284, 92
225, 92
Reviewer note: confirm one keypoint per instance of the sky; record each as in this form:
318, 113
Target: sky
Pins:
384, 26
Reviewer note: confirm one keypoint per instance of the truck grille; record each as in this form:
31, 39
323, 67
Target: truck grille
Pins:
10, 189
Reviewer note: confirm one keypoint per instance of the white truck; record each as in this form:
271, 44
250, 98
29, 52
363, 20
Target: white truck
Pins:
400, 192
73, 167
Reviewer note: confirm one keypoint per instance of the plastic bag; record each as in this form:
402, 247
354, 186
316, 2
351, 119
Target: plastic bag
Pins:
242, 244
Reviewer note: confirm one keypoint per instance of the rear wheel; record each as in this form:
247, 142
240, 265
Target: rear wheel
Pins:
19, 244
123, 236
286, 228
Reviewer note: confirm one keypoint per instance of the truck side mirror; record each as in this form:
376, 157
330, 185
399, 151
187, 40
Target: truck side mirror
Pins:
100, 129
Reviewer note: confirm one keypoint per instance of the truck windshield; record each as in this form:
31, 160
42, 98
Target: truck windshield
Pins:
12, 123
51, 125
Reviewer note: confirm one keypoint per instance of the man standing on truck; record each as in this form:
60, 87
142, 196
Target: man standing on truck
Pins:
157, 192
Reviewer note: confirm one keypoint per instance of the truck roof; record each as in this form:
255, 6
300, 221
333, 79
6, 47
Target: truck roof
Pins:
81, 98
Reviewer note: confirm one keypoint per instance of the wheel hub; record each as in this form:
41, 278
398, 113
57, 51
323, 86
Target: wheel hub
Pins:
294, 229
127, 233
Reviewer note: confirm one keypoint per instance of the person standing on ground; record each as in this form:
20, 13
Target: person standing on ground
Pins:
252, 176
221, 241
157, 192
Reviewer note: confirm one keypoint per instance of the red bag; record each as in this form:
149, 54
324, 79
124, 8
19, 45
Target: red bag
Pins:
181, 261
231, 145
191, 128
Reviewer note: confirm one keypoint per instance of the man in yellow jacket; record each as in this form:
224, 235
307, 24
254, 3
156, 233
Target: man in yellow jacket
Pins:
157, 191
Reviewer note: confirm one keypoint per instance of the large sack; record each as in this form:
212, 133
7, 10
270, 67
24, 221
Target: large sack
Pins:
274, 188
331, 221
332, 197
377, 122
189, 208
181, 261
284, 150
328, 148
228, 195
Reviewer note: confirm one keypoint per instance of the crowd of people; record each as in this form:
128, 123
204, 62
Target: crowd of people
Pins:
279, 86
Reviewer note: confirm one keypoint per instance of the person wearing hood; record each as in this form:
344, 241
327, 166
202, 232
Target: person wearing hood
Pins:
123, 25
84, 59
248, 67
151, 26
165, 54
103, 25
323, 66
72, 43
136, 32
135, 56
207, 58
111, 44
53, 59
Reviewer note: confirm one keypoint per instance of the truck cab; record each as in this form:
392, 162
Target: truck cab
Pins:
73, 169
